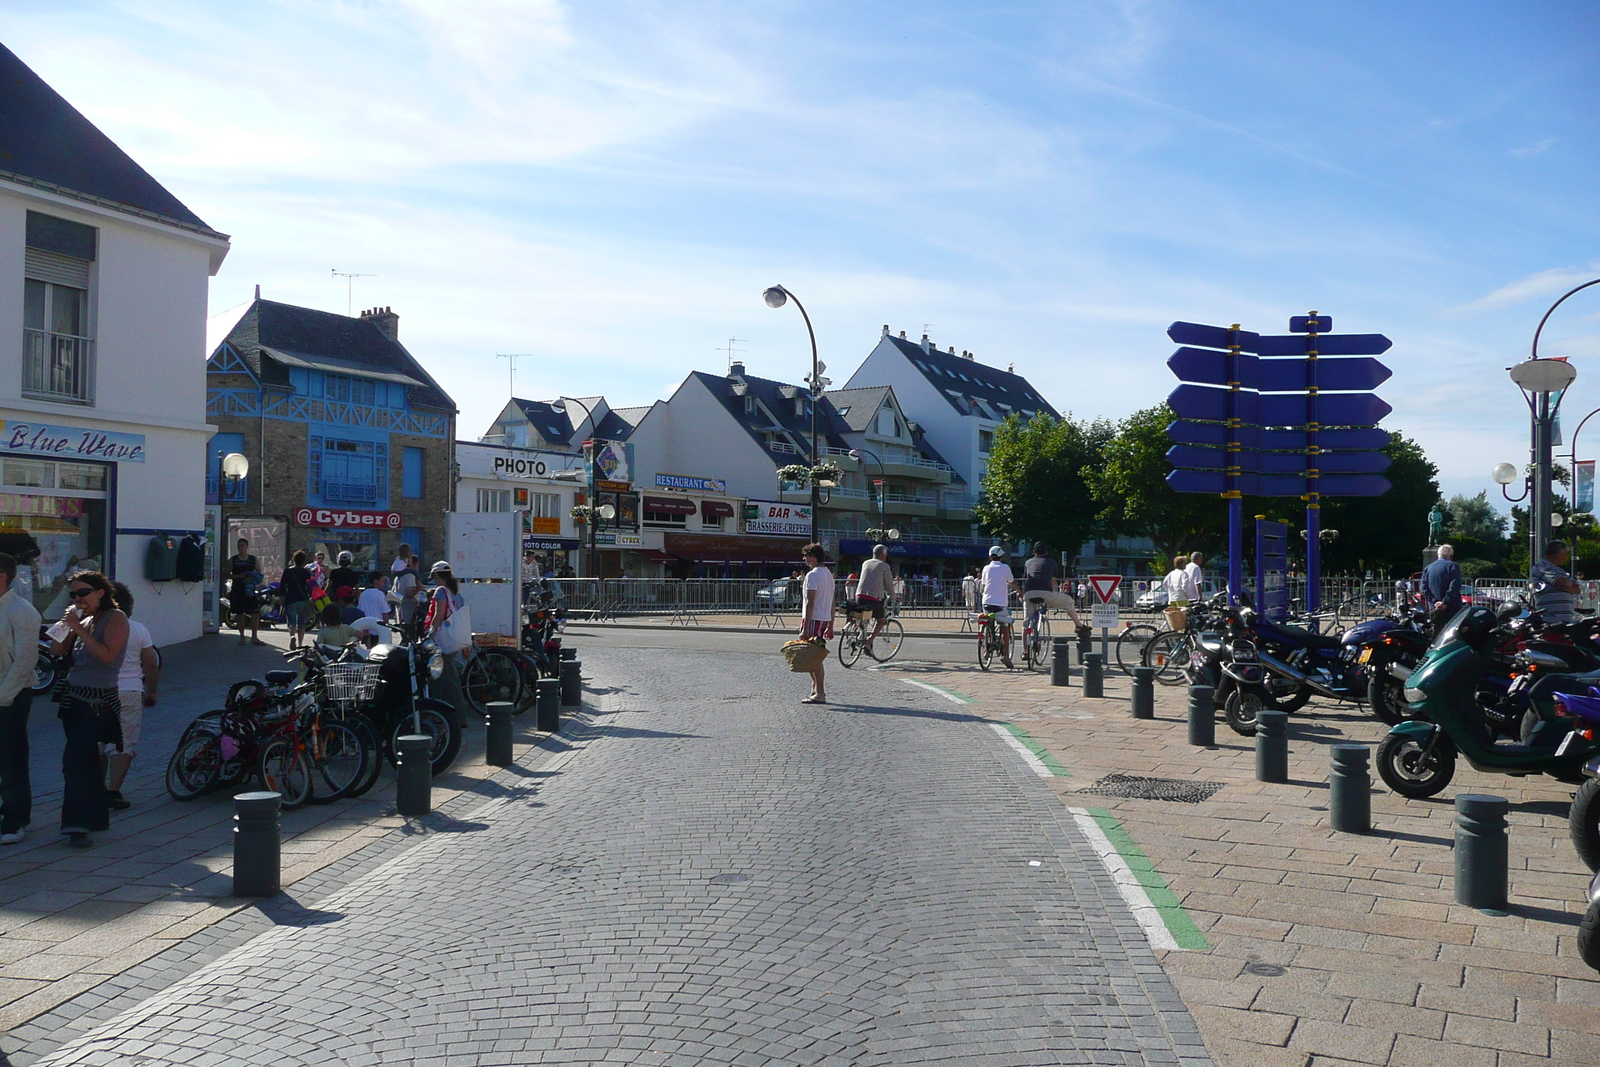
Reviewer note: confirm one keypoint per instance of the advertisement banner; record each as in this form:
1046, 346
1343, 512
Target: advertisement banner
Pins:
547, 527
70, 442
611, 462
617, 538
693, 485
773, 517
347, 518
1583, 489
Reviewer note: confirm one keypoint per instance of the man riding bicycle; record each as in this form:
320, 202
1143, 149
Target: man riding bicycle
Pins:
997, 582
873, 590
1040, 571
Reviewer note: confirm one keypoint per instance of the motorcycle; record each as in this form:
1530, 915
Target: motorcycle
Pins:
1302, 662
1389, 650
1417, 758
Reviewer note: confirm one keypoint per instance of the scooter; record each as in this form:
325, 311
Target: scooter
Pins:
1418, 758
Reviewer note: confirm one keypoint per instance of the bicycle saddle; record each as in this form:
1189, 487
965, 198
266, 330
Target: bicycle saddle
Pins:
281, 677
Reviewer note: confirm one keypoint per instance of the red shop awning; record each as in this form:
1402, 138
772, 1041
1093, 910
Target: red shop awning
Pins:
716, 509
669, 505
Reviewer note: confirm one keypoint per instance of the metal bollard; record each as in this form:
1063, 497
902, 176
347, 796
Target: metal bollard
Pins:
1144, 692
414, 790
568, 653
571, 683
1060, 660
1350, 790
1094, 681
1481, 860
1202, 716
257, 847
1085, 644
497, 739
549, 706
1272, 746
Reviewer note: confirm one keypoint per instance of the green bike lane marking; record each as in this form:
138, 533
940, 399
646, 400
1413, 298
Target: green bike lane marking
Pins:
1047, 765
1154, 905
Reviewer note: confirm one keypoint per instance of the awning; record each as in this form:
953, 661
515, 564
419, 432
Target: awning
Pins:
716, 509
670, 505
655, 555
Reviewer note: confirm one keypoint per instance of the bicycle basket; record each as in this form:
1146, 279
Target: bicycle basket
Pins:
350, 681
1177, 617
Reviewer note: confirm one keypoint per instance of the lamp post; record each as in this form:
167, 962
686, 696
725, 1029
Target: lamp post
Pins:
883, 489
1543, 413
597, 511
776, 297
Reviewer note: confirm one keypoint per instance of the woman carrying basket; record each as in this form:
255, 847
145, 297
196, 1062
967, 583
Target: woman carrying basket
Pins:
817, 619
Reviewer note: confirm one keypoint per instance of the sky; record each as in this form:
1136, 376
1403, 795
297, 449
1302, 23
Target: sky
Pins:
608, 187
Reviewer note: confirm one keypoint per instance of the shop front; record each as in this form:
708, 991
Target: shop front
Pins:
55, 519
732, 555
934, 567
335, 530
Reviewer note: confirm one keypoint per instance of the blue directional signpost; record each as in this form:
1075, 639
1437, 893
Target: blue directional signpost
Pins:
1272, 568
1277, 415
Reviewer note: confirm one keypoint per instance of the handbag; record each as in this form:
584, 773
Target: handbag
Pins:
456, 633
804, 656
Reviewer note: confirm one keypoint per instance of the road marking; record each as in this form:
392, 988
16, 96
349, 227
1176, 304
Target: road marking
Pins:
1155, 906
1035, 755
948, 694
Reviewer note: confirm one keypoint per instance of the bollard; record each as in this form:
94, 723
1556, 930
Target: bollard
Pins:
1060, 660
1202, 716
1481, 851
1272, 746
568, 653
1085, 643
257, 850
1144, 692
1350, 790
1094, 683
571, 683
497, 739
414, 790
549, 706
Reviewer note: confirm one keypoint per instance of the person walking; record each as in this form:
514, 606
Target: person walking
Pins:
244, 571
1197, 574
407, 596
873, 589
96, 632
997, 582
319, 570
136, 690
1441, 587
817, 617
1554, 590
374, 601
1179, 584
344, 575
403, 560
444, 602
19, 655
296, 586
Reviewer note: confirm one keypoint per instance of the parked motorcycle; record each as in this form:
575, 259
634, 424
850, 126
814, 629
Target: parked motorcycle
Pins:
1418, 758
1389, 650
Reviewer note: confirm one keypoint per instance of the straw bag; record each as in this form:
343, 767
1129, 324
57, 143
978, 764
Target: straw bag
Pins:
804, 656
1177, 617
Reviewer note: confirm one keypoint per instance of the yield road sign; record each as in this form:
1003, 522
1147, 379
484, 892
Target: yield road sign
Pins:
1104, 586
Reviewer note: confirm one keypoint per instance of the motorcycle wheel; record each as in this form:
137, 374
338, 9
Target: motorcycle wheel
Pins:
1386, 698
1242, 709
1530, 719
1402, 770
1589, 936
1584, 823
1293, 699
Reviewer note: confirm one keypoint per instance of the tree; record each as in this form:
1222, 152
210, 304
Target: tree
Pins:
1131, 487
1385, 533
1034, 488
1474, 518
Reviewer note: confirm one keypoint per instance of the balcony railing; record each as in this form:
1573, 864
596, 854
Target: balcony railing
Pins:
349, 492
57, 366
227, 490
960, 501
892, 497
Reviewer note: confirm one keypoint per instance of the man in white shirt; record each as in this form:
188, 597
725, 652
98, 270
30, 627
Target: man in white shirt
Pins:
1197, 577
997, 582
1179, 584
374, 602
817, 618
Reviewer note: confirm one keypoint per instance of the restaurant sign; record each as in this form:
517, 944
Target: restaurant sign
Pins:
71, 442
774, 517
693, 485
346, 518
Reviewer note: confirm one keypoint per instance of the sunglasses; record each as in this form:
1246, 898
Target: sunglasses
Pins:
79, 594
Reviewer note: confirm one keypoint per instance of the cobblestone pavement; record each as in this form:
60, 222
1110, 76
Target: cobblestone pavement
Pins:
1323, 948
721, 875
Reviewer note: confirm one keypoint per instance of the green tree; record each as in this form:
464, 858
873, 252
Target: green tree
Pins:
1034, 488
1131, 487
1385, 533
1474, 518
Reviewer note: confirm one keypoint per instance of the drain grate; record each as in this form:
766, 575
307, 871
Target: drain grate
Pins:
1131, 787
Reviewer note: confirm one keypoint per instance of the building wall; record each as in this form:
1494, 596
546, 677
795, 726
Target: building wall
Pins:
954, 435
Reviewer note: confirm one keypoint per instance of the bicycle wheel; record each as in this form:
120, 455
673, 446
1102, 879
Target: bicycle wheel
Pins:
1168, 653
283, 769
489, 678
1131, 645
1038, 648
987, 642
850, 643
446, 738
887, 644
194, 767
339, 759
369, 744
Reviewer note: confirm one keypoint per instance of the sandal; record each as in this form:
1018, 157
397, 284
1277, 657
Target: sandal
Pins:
812, 700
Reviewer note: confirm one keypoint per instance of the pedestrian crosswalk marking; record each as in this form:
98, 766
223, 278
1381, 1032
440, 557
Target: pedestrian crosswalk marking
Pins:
1155, 906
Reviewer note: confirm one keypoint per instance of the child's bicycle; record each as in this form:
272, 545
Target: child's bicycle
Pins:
856, 636
990, 639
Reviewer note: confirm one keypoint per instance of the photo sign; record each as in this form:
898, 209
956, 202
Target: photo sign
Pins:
773, 517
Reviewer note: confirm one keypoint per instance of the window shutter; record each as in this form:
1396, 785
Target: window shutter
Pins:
53, 267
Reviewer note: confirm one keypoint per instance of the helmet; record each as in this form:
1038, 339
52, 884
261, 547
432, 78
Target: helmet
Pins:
996, 552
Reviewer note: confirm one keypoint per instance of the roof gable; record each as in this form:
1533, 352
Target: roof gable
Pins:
774, 412
46, 142
973, 388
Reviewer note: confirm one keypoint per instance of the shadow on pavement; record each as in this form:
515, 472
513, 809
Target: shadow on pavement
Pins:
945, 716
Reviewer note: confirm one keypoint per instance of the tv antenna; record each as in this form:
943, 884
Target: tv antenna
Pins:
730, 349
512, 357
349, 287
927, 329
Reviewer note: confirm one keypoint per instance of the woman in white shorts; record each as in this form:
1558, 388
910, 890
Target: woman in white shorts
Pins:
136, 689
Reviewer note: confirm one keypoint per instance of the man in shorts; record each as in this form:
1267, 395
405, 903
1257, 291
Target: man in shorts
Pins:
996, 583
1040, 577
873, 589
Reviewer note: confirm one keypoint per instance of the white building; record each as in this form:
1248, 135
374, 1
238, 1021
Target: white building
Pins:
493, 477
103, 285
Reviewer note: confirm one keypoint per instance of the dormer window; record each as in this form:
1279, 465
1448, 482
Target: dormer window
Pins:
888, 425
749, 404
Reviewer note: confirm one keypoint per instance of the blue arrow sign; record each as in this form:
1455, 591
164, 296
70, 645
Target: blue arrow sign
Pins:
1292, 375
1306, 324
1332, 409
1188, 481
1333, 344
1210, 367
1202, 433
1194, 333
1216, 459
1211, 405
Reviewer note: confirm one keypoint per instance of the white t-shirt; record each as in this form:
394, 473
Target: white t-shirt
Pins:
132, 674
997, 579
820, 581
1180, 586
1197, 578
374, 603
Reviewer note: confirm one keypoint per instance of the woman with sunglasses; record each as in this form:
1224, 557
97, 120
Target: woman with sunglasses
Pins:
96, 631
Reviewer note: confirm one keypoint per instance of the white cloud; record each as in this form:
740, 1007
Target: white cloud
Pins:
1533, 149
1551, 282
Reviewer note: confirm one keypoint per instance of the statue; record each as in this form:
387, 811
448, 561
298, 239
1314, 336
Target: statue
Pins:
1435, 525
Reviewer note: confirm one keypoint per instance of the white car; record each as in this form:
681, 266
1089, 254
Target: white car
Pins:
1156, 597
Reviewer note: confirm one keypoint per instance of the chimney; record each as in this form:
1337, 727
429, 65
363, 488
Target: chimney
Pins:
384, 319
258, 290
902, 334
965, 354
736, 369
886, 329
952, 350
925, 344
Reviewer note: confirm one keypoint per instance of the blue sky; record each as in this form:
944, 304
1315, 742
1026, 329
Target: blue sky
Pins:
609, 186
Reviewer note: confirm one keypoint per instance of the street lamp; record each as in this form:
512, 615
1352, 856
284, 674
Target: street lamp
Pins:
1538, 379
560, 404
776, 296
883, 489
235, 468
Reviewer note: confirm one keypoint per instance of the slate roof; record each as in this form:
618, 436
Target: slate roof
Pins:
554, 426
971, 387
269, 331
782, 407
45, 142
857, 406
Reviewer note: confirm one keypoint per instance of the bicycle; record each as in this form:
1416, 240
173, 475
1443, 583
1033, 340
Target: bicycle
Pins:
990, 640
856, 636
1132, 644
1036, 646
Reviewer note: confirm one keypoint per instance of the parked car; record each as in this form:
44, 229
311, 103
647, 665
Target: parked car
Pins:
779, 595
1155, 598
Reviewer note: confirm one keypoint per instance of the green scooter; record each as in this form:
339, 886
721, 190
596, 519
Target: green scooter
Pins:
1418, 757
